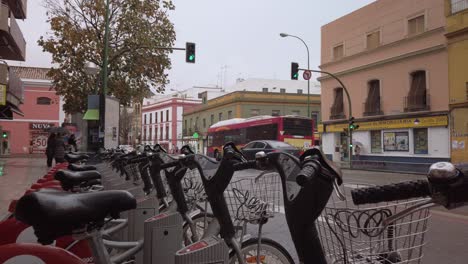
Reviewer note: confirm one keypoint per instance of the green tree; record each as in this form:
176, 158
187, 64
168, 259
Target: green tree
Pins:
137, 29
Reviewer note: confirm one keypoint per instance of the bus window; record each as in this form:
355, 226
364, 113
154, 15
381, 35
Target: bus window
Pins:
297, 127
265, 132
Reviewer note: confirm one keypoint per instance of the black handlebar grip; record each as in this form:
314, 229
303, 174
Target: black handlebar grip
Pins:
391, 192
307, 172
252, 164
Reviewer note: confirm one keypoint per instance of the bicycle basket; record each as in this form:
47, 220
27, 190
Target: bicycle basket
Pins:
133, 172
193, 187
252, 199
353, 234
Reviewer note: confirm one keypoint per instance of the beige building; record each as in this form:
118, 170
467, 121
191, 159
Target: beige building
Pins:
392, 57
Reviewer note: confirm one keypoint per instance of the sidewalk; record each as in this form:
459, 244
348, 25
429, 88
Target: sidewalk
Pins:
16, 175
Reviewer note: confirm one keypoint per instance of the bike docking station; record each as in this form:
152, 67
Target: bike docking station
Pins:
211, 250
163, 238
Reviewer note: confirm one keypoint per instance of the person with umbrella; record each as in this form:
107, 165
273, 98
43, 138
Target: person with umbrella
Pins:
50, 149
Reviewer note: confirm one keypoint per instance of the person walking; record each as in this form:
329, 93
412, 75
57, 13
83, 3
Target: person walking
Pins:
72, 142
59, 149
357, 152
50, 149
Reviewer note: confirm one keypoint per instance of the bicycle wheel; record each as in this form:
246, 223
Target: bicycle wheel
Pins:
199, 221
271, 252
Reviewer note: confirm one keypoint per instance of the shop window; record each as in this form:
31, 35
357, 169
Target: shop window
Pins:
420, 141
396, 141
338, 52
416, 25
376, 141
44, 101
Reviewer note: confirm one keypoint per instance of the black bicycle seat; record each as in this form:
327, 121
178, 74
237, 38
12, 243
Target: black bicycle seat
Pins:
55, 214
70, 179
76, 167
72, 158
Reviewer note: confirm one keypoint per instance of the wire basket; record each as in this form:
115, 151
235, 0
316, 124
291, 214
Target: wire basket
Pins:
193, 187
254, 199
353, 234
133, 172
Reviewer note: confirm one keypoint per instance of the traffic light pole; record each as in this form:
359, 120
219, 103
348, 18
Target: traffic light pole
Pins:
350, 110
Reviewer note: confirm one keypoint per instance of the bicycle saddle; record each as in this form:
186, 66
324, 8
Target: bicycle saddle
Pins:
55, 214
72, 158
70, 179
76, 167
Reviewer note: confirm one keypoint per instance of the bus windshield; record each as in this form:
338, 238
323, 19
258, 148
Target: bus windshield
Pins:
297, 127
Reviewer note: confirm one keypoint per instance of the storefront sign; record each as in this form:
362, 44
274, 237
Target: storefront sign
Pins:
40, 126
396, 141
3, 96
433, 121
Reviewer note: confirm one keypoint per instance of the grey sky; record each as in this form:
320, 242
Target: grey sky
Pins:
240, 36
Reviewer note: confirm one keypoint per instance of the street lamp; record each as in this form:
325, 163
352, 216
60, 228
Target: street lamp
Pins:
283, 35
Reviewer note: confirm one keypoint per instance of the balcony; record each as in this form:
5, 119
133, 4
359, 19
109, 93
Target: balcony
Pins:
417, 103
372, 108
459, 5
337, 113
14, 85
11, 38
18, 8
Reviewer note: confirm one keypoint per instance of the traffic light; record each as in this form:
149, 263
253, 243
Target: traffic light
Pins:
352, 125
294, 70
190, 52
4, 135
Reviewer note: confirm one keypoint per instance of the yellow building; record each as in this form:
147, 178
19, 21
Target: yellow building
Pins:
457, 40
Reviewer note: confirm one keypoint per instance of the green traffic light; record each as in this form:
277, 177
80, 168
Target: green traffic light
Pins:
192, 57
350, 145
4, 135
296, 75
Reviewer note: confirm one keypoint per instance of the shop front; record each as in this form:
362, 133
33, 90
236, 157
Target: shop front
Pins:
404, 144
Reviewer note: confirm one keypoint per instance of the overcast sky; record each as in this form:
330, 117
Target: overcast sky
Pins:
235, 39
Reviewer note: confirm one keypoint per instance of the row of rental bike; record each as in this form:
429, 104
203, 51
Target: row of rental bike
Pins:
148, 206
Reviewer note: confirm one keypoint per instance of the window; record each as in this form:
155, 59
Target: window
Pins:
156, 133
372, 104
167, 115
185, 125
420, 141
299, 91
376, 141
254, 112
282, 90
144, 134
155, 117
150, 117
191, 123
220, 116
417, 98
315, 117
144, 119
459, 5
373, 40
150, 134
265, 90
162, 120
161, 134
416, 25
167, 132
396, 141
275, 112
44, 101
295, 112
204, 123
337, 109
229, 114
338, 52
212, 120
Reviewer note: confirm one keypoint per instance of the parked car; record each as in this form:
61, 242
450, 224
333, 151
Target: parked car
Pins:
253, 147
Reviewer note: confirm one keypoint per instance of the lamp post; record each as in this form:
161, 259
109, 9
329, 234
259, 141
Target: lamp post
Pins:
283, 35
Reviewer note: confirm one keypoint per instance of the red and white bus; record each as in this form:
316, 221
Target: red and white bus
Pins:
295, 130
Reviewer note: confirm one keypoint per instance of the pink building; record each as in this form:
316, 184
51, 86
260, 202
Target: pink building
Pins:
162, 121
392, 58
42, 108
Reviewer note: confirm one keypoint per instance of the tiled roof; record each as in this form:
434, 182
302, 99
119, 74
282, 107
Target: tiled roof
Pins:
31, 72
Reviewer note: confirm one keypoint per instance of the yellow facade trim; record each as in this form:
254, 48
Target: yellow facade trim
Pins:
434, 121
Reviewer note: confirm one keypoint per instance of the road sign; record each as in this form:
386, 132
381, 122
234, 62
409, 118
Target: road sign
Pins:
307, 75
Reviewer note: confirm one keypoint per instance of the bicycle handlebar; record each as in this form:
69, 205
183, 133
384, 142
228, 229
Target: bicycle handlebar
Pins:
391, 192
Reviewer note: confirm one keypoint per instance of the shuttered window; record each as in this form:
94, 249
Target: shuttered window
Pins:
338, 52
416, 25
373, 40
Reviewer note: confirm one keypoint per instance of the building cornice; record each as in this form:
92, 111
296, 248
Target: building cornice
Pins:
387, 61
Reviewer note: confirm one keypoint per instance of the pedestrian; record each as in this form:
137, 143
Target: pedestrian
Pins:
50, 149
72, 142
357, 151
59, 149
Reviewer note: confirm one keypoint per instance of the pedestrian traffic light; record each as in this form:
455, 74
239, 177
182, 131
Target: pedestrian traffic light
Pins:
4, 135
294, 70
190, 52
352, 125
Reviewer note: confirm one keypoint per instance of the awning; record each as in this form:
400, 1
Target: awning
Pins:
6, 111
91, 114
